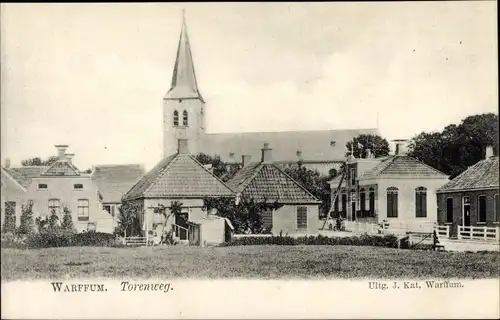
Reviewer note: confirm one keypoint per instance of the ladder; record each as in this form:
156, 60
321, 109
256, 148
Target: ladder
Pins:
335, 196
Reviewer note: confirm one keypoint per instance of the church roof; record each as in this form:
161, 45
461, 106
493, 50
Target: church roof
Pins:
184, 85
267, 182
316, 146
179, 175
113, 181
30, 172
483, 175
402, 166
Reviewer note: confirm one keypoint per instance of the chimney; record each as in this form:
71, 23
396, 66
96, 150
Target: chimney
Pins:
61, 151
69, 157
400, 147
489, 152
6, 163
266, 153
368, 153
245, 159
183, 146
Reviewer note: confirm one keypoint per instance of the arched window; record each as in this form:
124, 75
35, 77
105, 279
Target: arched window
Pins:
392, 202
371, 204
185, 118
176, 118
421, 202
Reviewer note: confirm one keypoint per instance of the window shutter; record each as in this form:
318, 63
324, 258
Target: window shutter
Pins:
395, 205
389, 205
418, 205
424, 205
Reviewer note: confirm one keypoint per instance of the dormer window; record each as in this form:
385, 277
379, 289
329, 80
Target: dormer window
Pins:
42, 186
185, 118
78, 186
176, 118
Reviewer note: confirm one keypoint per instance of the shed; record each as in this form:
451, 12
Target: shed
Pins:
210, 230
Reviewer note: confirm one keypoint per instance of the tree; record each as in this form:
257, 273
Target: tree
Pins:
127, 220
27, 224
221, 169
67, 225
457, 147
38, 162
9, 223
378, 146
53, 224
245, 215
314, 182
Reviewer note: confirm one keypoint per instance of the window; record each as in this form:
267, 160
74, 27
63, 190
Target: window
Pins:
481, 209
344, 205
185, 118
78, 186
449, 210
392, 202
336, 204
362, 200
109, 209
372, 202
301, 218
83, 210
54, 206
497, 208
176, 118
353, 176
421, 202
42, 186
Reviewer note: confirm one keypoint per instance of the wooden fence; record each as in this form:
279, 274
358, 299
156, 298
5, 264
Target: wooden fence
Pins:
479, 233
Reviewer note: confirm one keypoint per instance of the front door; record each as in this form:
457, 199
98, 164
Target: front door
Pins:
466, 211
353, 210
181, 220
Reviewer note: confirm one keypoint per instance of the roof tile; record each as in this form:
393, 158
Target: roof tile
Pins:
482, 175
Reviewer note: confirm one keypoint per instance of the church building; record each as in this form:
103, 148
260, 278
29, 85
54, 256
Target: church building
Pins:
184, 114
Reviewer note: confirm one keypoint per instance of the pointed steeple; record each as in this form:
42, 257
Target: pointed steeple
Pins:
184, 84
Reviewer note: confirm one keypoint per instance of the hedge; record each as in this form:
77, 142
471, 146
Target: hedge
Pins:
48, 240
388, 241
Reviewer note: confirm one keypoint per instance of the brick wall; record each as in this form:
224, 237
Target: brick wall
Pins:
457, 209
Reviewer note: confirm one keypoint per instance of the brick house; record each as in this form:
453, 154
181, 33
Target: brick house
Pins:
179, 177
471, 198
266, 181
62, 184
397, 188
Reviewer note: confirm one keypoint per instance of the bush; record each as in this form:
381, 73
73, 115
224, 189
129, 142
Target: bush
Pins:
388, 241
50, 240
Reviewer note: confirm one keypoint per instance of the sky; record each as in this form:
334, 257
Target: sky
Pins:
93, 75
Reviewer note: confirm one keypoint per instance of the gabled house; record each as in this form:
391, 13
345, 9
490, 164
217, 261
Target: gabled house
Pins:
471, 198
266, 181
113, 182
14, 186
61, 184
177, 178
397, 188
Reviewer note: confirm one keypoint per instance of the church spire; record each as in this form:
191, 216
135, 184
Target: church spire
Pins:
184, 77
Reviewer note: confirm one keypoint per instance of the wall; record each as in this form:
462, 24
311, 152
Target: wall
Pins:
11, 192
212, 232
285, 220
406, 199
62, 188
192, 132
457, 209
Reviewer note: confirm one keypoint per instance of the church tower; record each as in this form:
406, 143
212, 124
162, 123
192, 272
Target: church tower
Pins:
183, 105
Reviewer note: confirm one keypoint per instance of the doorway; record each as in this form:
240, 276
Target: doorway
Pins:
181, 220
466, 211
353, 210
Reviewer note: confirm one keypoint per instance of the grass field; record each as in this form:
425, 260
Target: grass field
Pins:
263, 262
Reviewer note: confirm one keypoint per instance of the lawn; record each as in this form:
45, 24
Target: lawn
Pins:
262, 262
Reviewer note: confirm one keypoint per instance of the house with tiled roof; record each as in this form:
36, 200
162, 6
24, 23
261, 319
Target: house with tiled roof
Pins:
113, 181
471, 198
396, 188
62, 185
14, 186
264, 181
176, 178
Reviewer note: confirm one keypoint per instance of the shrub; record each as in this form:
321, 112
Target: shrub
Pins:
49, 240
27, 224
388, 241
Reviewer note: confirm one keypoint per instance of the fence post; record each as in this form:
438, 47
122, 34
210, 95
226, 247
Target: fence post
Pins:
459, 232
485, 236
497, 233
447, 232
